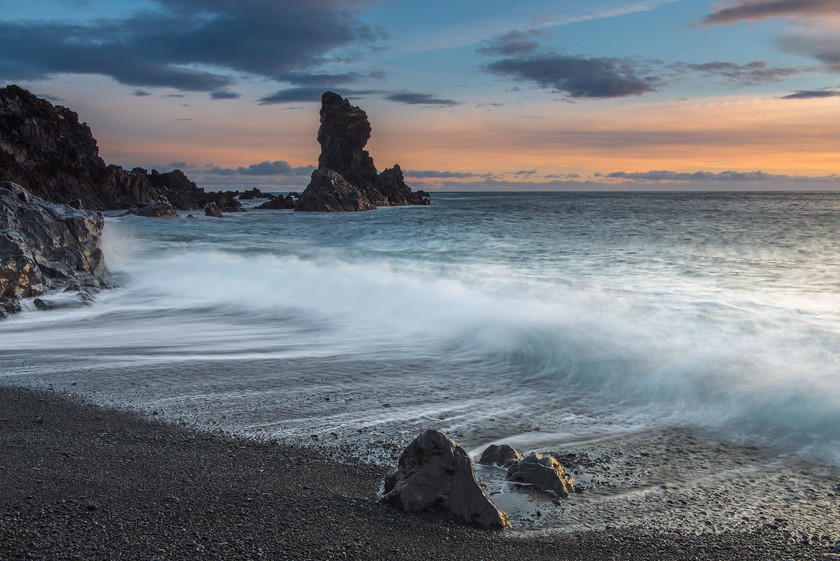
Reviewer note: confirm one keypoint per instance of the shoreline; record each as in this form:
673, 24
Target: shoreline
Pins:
84, 481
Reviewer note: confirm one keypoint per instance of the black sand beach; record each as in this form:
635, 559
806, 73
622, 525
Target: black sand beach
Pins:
83, 482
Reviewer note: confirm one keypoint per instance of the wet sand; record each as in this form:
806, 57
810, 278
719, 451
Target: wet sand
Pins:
84, 482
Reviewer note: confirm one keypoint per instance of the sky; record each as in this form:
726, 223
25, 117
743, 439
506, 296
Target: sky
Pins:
463, 95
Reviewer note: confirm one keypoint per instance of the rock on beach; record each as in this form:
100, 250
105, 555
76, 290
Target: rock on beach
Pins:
434, 472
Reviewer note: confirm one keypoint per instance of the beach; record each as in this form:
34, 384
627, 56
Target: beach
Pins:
86, 482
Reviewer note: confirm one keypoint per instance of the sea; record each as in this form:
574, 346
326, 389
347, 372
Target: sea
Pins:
552, 321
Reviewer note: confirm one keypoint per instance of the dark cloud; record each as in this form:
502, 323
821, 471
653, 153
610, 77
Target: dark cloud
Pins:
175, 95
757, 10
812, 94
512, 43
326, 81
525, 173
140, 93
162, 47
425, 174
578, 77
225, 95
420, 99
750, 74
294, 95
278, 167
821, 44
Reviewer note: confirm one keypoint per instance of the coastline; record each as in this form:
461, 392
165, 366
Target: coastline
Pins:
83, 481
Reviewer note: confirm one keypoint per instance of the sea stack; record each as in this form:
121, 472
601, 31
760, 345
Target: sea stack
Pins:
346, 179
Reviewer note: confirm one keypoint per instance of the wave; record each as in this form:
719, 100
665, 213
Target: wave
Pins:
741, 363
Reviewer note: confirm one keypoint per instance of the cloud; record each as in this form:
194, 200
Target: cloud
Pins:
434, 174
225, 95
750, 74
512, 43
326, 81
140, 93
278, 167
759, 10
313, 94
812, 94
420, 99
175, 42
820, 41
578, 76
738, 176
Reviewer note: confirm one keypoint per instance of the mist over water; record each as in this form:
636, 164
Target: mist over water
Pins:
490, 315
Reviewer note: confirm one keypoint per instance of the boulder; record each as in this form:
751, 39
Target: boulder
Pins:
44, 246
500, 454
213, 210
330, 192
542, 471
343, 134
434, 472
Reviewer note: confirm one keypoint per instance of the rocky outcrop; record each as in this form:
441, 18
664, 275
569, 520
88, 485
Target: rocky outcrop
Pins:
46, 150
343, 134
44, 246
434, 472
277, 202
502, 455
330, 192
542, 471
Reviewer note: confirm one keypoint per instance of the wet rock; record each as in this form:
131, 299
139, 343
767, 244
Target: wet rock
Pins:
213, 210
227, 201
343, 134
542, 471
500, 454
434, 472
44, 246
330, 192
155, 209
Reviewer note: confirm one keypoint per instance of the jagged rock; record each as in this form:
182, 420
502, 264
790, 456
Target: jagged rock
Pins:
154, 209
500, 454
542, 471
392, 190
213, 210
343, 134
44, 245
287, 202
46, 150
330, 192
434, 472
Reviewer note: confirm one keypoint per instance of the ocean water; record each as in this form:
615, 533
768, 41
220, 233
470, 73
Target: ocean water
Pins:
539, 318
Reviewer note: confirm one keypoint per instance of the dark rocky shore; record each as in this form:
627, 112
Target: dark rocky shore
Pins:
83, 482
